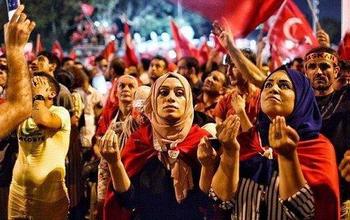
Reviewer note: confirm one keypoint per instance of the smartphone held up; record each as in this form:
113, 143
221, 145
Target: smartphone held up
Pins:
12, 5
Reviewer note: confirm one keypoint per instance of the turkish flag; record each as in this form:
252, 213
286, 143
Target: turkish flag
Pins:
38, 45
183, 46
87, 9
57, 50
108, 51
344, 47
130, 57
290, 34
243, 16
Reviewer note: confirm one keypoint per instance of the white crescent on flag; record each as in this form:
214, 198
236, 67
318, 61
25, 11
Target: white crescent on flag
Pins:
287, 26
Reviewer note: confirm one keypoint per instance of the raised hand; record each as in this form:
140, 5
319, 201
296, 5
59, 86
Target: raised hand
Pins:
40, 86
344, 166
109, 147
206, 154
227, 133
323, 38
18, 30
238, 103
282, 138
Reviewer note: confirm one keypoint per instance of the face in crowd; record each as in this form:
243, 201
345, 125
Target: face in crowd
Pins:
42, 64
157, 68
278, 95
126, 89
102, 65
182, 68
171, 100
214, 83
3, 74
48, 91
322, 74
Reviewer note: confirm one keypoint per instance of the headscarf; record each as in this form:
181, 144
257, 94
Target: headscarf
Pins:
111, 106
305, 118
315, 152
170, 133
169, 136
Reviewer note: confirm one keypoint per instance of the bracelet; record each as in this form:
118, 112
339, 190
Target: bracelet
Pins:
38, 97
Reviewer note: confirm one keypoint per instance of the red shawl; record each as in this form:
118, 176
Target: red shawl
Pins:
137, 153
318, 164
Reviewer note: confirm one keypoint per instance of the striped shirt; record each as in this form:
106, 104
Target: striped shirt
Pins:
254, 201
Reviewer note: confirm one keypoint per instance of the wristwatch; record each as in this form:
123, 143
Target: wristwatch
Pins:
38, 97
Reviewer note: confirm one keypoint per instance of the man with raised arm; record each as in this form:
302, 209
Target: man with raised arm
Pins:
19, 97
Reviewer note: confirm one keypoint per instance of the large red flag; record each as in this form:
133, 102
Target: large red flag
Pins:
290, 34
183, 46
109, 50
243, 16
130, 57
57, 50
344, 47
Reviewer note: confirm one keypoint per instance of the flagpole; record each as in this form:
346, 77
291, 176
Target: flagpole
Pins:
314, 16
276, 17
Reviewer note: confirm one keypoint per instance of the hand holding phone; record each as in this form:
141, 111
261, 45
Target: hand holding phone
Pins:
12, 5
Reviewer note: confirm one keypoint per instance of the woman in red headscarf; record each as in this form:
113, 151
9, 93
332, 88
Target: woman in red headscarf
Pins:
157, 173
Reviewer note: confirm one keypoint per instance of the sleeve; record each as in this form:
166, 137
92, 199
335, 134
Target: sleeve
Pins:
301, 205
225, 205
63, 114
103, 179
220, 109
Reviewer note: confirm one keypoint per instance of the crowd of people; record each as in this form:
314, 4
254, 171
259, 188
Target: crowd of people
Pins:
217, 141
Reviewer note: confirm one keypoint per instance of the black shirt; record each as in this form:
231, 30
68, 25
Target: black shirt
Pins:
152, 196
335, 111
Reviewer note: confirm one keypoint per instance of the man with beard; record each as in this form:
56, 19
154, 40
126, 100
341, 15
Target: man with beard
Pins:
213, 88
242, 97
189, 68
321, 67
157, 68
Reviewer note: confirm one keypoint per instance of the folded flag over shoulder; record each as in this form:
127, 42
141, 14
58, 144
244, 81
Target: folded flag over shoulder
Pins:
57, 50
130, 57
290, 34
344, 47
243, 16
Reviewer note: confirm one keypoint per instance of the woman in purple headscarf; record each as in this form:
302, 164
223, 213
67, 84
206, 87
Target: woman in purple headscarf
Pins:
283, 167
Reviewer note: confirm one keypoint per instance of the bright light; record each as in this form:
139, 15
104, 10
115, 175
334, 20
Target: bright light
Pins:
165, 36
154, 36
105, 23
112, 37
172, 54
137, 37
97, 23
187, 31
